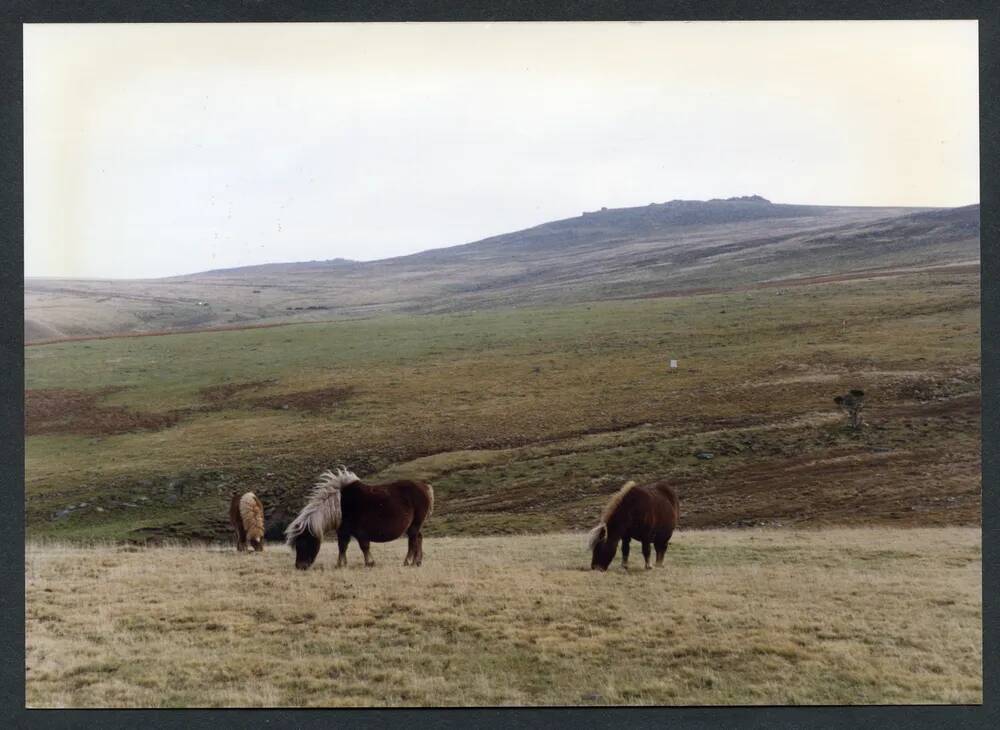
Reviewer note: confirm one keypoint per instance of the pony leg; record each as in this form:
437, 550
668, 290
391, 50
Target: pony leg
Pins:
365, 545
626, 544
342, 543
661, 550
419, 556
411, 549
645, 554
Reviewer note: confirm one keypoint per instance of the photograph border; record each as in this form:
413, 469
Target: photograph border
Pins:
12, 617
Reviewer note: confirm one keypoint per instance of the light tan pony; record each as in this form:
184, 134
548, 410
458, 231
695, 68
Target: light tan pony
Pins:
246, 515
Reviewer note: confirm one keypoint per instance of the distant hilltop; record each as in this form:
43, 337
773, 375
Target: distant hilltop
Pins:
742, 198
680, 204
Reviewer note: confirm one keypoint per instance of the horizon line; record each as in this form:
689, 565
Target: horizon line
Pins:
466, 243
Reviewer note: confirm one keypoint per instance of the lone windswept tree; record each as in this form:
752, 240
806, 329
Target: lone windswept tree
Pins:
852, 402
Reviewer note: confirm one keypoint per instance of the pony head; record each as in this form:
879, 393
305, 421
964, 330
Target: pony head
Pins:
602, 549
306, 549
602, 543
321, 513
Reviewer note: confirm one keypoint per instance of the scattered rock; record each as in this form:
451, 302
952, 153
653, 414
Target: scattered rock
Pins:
704, 455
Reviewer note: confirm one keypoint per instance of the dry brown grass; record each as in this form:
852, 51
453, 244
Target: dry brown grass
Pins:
839, 616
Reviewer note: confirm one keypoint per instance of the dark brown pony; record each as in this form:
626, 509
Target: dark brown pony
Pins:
367, 512
246, 515
646, 513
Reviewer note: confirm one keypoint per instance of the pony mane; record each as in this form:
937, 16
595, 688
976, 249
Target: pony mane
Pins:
595, 536
616, 499
322, 510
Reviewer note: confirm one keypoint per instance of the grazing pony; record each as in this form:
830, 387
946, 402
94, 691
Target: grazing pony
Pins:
368, 512
246, 515
646, 513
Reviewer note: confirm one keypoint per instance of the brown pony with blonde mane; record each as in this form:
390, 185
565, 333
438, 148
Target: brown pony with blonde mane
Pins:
646, 513
246, 515
367, 512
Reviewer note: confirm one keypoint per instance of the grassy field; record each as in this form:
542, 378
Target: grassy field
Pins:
831, 616
526, 419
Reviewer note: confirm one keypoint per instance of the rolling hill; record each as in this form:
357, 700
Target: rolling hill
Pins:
525, 376
671, 248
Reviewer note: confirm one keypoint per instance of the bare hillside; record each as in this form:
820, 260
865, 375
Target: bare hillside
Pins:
659, 249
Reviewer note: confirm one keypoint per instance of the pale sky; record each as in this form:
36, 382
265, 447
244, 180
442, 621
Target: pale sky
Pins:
154, 150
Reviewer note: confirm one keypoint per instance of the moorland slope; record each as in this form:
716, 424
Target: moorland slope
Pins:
671, 248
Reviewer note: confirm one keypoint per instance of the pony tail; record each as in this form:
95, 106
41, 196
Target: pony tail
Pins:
597, 535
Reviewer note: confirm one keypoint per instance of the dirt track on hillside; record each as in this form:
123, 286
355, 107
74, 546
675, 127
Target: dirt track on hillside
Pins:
66, 411
80, 412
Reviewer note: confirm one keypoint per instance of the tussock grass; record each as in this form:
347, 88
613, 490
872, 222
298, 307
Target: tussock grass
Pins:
833, 616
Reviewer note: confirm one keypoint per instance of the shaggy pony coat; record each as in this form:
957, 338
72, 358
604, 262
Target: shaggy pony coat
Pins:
246, 515
647, 513
342, 503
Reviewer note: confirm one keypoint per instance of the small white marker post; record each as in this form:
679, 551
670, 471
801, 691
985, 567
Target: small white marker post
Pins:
673, 364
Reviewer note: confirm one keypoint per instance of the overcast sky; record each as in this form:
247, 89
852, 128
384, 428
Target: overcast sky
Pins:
154, 150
